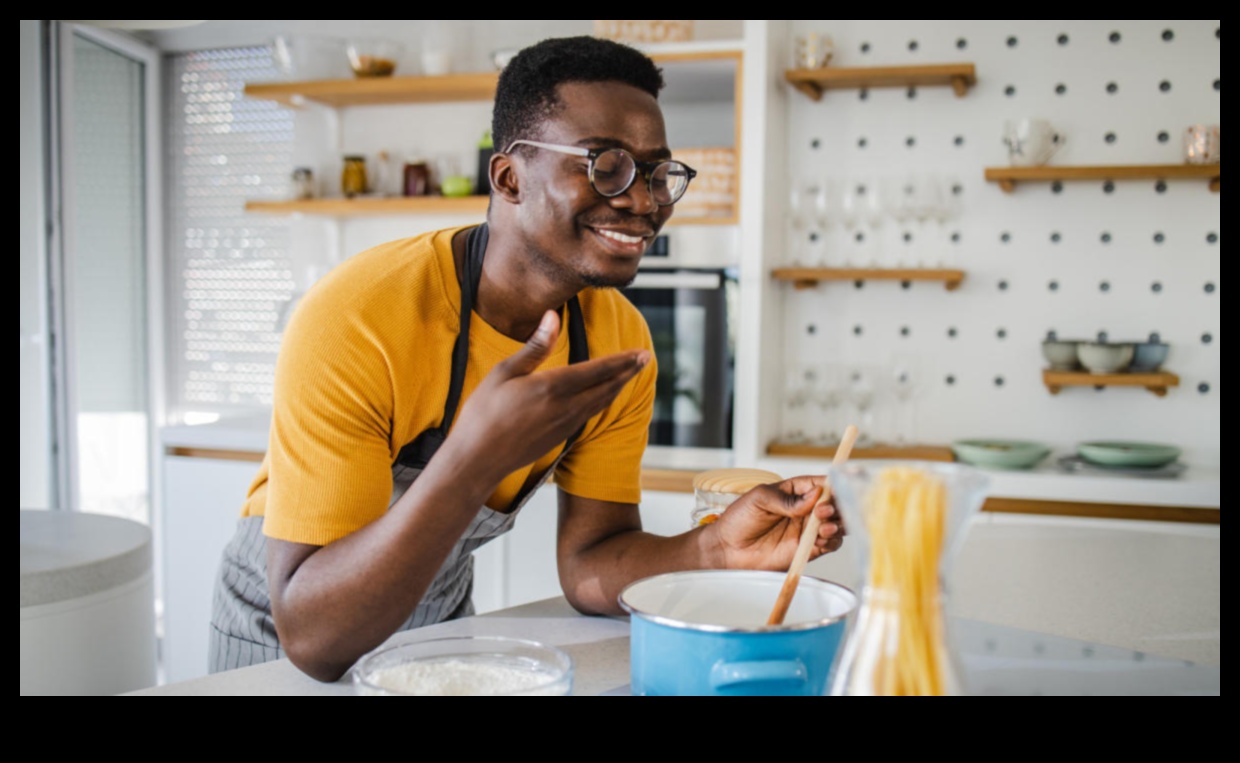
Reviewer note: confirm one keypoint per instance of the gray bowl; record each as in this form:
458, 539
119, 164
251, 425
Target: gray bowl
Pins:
1105, 357
1061, 354
1148, 356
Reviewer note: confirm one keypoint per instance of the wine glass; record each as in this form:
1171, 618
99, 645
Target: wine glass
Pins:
824, 212
874, 202
905, 378
850, 204
799, 209
796, 398
828, 395
861, 387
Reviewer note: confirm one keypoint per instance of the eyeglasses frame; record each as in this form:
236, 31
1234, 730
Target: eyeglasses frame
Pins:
645, 169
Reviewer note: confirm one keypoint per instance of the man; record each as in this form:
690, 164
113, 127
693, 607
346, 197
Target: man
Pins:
426, 387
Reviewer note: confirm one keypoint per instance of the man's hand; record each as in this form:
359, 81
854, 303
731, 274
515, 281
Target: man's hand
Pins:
762, 528
518, 414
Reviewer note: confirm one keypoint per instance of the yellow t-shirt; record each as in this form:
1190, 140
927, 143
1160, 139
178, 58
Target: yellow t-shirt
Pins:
364, 368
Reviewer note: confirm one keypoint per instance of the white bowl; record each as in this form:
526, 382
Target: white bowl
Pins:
1104, 357
1061, 354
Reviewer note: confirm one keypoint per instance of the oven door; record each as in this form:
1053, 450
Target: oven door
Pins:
688, 315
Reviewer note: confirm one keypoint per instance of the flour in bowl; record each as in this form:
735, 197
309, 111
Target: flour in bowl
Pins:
455, 677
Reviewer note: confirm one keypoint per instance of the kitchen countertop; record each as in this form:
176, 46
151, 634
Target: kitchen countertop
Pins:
1197, 487
1027, 590
997, 660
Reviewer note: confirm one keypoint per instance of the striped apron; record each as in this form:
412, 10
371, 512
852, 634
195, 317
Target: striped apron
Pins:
242, 630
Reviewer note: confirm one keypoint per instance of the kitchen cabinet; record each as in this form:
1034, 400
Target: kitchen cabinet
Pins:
202, 500
520, 567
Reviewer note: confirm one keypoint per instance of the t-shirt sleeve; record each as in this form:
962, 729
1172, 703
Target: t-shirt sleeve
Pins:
329, 450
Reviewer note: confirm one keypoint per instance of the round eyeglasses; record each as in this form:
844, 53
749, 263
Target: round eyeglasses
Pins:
613, 170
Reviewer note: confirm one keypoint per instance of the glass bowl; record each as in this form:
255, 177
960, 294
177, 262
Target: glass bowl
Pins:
465, 666
373, 57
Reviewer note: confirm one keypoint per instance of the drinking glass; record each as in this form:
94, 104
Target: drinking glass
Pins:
793, 426
874, 202
907, 519
862, 386
828, 395
799, 210
824, 204
849, 204
905, 376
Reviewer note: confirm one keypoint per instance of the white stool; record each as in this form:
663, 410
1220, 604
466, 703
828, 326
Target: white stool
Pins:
87, 604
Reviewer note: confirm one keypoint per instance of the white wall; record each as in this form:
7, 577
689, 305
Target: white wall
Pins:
839, 323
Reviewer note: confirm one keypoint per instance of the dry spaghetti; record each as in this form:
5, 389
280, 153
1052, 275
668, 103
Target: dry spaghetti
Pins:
900, 646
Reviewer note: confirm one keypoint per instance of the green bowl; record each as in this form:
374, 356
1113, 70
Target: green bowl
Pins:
1000, 454
1116, 453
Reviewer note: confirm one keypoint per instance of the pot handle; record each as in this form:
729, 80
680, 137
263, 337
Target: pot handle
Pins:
754, 671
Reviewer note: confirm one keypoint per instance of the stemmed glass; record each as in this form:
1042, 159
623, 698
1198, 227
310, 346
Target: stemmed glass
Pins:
905, 377
828, 395
796, 398
799, 209
850, 204
862, 394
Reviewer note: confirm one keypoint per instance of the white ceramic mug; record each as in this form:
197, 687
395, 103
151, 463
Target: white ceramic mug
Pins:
1201, 144
1031, 142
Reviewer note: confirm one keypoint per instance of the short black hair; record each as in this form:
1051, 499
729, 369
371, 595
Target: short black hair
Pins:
526, 93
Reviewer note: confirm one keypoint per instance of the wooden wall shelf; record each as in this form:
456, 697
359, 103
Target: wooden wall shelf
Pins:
370, 206
813, 82
805, 278
915, 452
366, 206
1008, 177
378, 91
1157, 382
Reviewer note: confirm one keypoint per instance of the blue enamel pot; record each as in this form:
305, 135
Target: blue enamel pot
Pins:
704, 633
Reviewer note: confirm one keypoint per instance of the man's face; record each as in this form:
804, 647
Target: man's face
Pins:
570, 230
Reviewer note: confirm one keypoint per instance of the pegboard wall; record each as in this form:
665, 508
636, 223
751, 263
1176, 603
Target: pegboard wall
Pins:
1079, 259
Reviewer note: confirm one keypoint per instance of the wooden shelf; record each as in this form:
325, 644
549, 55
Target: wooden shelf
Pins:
447, 88
915, 452
1157, 382
374, 205
371, 206
1008, 177
813, 82
377, 91
805, 278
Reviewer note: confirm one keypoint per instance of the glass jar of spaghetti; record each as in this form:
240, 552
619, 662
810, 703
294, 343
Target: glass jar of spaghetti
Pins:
715, 490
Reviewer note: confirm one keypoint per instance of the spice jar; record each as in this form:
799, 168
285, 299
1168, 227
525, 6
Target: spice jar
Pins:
715, 490
417, 178
353, 177
302, 186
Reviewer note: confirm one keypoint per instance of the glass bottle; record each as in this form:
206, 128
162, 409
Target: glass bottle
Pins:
417, 178
908, 519
353, 177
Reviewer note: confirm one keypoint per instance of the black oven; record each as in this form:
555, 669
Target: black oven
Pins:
691, 314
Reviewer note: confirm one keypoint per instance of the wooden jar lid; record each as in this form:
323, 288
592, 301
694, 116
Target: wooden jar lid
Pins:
735, 481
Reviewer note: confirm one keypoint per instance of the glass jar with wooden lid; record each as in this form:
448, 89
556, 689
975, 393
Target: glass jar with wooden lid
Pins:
715, 490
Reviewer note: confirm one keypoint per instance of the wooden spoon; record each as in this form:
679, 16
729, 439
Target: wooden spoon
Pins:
808, 535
